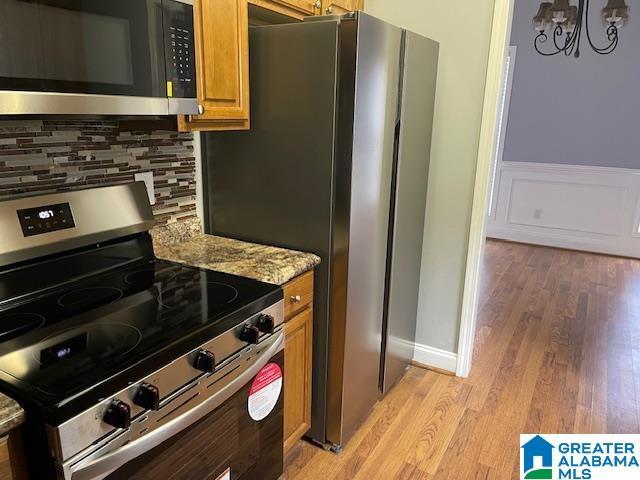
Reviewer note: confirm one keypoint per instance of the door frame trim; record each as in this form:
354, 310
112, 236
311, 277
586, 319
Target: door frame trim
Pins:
500, 35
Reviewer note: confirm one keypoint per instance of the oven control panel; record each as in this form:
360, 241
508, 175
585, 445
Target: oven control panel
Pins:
45, 219
155, 400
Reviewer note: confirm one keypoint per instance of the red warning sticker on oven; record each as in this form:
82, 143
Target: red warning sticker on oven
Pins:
265, 391
226, 475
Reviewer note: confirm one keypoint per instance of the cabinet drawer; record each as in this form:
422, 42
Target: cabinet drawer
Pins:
298, 293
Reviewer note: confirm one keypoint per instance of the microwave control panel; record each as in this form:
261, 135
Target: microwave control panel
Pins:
180, 50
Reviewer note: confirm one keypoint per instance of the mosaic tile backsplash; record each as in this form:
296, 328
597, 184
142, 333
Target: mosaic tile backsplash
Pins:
45, 156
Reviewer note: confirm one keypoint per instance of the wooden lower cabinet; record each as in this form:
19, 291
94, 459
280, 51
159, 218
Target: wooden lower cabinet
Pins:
12, 461
298, 349
297, 381
5, 460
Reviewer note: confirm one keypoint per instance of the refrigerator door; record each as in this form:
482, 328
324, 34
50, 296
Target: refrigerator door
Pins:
355, 345
413, 148
273, 184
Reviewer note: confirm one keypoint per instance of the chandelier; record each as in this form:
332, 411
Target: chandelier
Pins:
566, 23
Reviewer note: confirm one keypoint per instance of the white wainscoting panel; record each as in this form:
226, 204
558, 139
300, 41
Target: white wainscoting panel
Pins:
636, 233
595, 209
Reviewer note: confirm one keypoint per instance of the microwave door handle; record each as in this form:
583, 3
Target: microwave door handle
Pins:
93, 468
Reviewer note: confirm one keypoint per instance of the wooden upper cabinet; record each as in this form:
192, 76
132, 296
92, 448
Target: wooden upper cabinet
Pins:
222, 62
292, 8
339, 7
222, 56
304, 8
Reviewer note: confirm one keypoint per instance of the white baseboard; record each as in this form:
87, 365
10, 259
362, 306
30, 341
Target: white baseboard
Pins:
547, 239
593, 209
436, 358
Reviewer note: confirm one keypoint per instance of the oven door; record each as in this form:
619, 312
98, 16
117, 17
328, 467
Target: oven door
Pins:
86, 56
236, 433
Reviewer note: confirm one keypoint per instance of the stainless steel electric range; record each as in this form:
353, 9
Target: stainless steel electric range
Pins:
130, 367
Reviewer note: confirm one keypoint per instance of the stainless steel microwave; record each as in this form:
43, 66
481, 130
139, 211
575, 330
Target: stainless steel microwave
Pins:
115, 57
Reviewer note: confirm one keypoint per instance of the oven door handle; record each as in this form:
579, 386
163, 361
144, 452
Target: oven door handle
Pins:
92, 468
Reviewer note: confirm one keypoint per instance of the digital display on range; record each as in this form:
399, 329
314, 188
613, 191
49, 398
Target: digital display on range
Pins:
48, 218
65, 349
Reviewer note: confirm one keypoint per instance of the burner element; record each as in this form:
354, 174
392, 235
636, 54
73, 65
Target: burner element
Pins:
218, 295
150, 276
18, 324
86, 349
106, 341
83, 298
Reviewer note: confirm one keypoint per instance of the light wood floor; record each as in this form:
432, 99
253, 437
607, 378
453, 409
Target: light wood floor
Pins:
557, 351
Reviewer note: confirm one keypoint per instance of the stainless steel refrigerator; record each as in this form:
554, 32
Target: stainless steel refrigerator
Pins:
336, 163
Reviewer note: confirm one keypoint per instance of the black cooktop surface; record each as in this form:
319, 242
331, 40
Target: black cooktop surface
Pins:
76, 344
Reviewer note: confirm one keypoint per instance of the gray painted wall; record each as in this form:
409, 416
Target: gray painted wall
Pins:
580, 112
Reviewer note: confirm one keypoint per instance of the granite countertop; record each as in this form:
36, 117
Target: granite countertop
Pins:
184, 243
11, 414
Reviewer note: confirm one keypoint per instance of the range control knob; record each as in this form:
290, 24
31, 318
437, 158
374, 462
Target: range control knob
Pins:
266, 323
148, 397
205, 361
118, 414
250, 334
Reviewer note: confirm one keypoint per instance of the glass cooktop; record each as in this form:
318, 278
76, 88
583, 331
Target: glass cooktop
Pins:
74, 339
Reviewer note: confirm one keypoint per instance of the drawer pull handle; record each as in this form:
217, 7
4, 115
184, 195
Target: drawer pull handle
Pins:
295, 299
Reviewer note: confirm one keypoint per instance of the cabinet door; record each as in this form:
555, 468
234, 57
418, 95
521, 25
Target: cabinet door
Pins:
297, 377
5, 460
222, 61
13, 465
340, 7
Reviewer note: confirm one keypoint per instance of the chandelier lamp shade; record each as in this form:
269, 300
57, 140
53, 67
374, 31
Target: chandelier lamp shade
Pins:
566, 23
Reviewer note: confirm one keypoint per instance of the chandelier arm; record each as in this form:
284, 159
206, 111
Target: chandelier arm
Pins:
612, 36
557, 33
573, 40
569, 47
542, 37
579, 27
